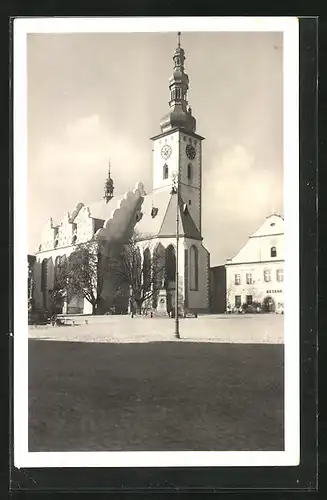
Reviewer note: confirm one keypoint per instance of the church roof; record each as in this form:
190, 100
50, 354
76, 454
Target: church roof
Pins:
149, 225
163, 224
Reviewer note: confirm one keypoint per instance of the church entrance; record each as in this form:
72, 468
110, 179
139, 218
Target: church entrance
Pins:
269, 305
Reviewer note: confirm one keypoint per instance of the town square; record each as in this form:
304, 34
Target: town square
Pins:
156, 256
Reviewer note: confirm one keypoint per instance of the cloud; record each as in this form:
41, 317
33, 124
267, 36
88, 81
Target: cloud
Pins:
237, 193
72, 166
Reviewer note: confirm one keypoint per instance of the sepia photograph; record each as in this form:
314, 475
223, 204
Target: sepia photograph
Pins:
156, 228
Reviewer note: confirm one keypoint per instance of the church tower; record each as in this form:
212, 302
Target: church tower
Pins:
177, 149
108, 187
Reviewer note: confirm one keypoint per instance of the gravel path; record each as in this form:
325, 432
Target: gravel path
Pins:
247, 329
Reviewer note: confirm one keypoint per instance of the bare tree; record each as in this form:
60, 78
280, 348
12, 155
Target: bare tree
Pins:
88, 268
140, 271
58, 292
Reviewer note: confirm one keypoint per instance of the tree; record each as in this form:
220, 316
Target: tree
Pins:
58, 292
140, 271
88, 266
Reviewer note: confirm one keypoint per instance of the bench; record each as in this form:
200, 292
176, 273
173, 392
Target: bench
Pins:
63, 320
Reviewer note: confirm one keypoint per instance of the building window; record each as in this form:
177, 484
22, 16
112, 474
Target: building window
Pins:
249, 278
194, 268
165, 171
237, 279
267, 275
249, 300
56, 243
189, 172
273, 252
190, 202
238, 301
280, 275
74, 239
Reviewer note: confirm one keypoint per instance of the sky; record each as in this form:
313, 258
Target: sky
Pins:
95, 96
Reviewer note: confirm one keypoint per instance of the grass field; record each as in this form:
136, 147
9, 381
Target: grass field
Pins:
155, 396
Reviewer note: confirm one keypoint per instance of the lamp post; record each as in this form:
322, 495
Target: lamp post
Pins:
175, 178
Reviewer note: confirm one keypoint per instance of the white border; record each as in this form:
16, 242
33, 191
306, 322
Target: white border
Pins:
291, 455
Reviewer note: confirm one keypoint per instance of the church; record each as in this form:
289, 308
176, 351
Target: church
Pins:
174, 207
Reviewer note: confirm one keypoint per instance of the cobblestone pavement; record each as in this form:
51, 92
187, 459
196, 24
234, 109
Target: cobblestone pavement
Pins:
248, 329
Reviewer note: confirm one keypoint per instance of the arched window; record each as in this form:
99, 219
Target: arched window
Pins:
194, 268
56, 243
273, 252
189, 171
170, 263
74, 239
44, 275
146, 270
165, 171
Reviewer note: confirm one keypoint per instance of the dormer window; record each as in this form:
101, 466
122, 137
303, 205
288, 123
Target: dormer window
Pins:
273, 252
154, 212
165, 171
138, 216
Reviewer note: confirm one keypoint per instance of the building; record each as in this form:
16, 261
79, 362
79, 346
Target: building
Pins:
177, 185
256, 273
218, 289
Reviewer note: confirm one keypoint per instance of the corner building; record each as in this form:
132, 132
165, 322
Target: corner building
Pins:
256, 273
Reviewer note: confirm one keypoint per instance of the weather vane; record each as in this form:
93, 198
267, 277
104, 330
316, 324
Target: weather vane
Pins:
179, 38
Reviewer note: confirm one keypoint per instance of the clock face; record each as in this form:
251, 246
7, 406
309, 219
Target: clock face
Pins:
190, 152
166, 151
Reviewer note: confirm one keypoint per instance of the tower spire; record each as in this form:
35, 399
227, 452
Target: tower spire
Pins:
109, 187
180, 115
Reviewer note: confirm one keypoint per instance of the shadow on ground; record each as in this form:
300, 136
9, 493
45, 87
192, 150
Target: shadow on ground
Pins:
161, 396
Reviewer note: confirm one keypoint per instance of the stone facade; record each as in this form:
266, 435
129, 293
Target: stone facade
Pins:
256, 273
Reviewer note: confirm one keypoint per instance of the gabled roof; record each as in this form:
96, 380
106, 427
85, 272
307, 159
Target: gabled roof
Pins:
148, 225
187, 227
163, 224
274, 224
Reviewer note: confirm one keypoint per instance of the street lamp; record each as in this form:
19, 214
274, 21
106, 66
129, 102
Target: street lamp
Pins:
175, 190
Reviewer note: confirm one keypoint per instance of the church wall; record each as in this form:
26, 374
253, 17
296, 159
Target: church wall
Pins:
40, 256
84, 225
65, 232
198, 300
190, 189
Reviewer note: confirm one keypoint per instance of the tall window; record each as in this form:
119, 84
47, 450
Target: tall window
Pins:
237, 279
189, 172
249, 278
280, 275
267, 275
44, 274
273, 252
249, 300
238, 301
165, 171
146, 270
194, 268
